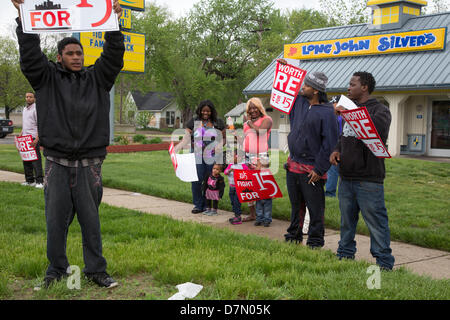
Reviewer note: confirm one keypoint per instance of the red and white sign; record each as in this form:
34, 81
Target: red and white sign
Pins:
40, 16
252, 185
173, 156
364, 128
26, 150
286, 85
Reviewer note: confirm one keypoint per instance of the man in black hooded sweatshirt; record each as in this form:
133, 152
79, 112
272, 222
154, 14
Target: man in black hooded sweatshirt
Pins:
73, 124
362, 175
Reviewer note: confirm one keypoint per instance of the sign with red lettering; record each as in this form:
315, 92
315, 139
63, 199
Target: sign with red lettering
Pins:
365, 130
173, 156
252, 185
286, 84
68, 16
26, 150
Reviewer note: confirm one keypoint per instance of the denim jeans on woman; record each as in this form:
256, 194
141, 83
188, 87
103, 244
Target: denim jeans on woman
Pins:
367, 197
67, 191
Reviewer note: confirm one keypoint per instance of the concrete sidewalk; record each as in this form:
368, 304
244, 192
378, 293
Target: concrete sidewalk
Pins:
429, 262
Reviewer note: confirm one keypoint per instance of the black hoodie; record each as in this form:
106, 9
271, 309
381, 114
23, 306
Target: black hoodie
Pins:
72, 107
357, 161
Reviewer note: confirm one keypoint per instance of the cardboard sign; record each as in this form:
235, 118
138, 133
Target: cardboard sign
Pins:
173, 156
252, 185
133, 59
365, 130
286, 85
68, 16
26, 150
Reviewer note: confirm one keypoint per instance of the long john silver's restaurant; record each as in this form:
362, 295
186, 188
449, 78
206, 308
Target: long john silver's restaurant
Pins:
409, 55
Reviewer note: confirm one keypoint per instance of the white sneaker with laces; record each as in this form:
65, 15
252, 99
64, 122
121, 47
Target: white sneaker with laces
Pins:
39, 186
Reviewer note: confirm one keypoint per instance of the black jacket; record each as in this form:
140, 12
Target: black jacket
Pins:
220, 185
72, 107
314, 134
357, 161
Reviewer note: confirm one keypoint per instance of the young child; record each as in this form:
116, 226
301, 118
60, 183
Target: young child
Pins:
213, 187
229, 171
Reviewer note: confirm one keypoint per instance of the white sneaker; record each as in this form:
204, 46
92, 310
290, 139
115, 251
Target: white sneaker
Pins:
39, 186
29, 184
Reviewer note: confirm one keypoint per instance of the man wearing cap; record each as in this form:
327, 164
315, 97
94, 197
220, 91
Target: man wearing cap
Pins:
314, 133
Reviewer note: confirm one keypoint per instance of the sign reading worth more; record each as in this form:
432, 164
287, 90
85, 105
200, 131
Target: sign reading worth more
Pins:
26, 150
134, 57
68, 16
286, 84
364, 128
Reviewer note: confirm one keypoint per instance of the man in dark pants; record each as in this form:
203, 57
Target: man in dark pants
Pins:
311, 140
32, 169
73, 122
362, 175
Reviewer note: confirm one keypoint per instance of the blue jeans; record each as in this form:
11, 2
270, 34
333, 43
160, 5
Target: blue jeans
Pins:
235, 202
367, 197
68, 191
332, 181
264, 211
198, 199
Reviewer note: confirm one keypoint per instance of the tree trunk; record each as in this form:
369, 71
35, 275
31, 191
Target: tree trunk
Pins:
7, 112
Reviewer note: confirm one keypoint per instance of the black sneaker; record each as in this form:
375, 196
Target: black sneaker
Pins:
197, 210
258, 223
49, 280
102, 279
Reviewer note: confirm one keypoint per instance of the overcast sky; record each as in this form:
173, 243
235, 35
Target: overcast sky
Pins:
179, 7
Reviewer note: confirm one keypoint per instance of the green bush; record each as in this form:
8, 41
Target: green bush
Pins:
156, 140
121, 140
138, 138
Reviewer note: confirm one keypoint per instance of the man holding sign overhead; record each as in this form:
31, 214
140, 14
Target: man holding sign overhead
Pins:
314, 133
362, 174
73, 122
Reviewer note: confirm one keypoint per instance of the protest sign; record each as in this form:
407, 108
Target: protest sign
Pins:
365, 130
26, 150
184, 165
173, 156
286, 85
68, 16
252, 185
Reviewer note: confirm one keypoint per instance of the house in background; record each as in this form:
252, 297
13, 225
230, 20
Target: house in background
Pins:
237, 113
407, 52
162, 106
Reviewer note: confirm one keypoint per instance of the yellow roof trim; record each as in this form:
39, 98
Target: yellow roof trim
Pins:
378, 2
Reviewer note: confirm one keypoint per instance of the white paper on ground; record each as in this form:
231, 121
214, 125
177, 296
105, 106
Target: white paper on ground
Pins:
186, 290
186, 170
346, 103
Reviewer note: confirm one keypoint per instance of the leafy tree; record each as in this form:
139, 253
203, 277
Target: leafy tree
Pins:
13, 84
345, 12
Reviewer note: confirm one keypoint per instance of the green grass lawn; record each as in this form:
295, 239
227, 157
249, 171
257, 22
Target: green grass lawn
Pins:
149, 255
416, 192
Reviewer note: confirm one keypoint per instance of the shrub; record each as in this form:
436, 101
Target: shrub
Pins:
156, 140
121, 140
139, 138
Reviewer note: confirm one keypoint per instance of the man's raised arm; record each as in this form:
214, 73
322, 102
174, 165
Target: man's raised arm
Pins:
33, 61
